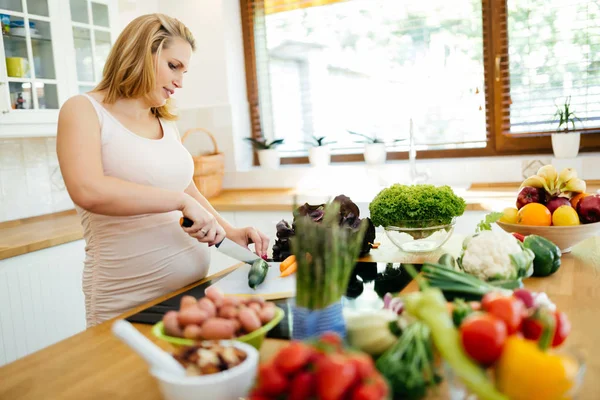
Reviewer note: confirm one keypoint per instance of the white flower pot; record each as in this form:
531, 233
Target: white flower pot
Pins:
319, 156
565, 145
375, 153
268, 158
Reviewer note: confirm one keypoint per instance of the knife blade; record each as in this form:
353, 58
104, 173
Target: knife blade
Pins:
228, 246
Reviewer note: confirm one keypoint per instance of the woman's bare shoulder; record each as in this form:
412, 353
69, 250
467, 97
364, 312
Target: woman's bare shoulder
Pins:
79, 110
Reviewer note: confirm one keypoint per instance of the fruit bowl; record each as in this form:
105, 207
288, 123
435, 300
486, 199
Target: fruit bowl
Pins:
420, 236
565, 237
255, 338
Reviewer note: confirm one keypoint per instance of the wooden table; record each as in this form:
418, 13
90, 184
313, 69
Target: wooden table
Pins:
95, 365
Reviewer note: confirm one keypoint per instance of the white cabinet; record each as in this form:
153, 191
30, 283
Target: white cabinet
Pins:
41, 299
51, 50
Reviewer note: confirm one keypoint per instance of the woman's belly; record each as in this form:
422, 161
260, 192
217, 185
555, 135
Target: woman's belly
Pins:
132, 260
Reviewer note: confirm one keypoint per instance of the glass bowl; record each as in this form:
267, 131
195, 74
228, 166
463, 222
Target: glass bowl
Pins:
420, 236
458, 391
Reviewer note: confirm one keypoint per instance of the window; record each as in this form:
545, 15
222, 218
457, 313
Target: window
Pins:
548, 52
476, 77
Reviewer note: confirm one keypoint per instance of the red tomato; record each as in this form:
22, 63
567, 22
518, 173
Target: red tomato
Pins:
485, 301
367, 392
331, 338
508, 309
293, 357
483, 337
271, 381
563, 328
364, 364
334, 376
532, 328
303, 386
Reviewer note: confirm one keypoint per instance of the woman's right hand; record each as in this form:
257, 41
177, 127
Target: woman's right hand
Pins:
205, 229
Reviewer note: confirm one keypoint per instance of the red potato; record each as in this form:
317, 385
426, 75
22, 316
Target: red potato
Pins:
218, 328
255, 299
266, 314
231, 301
228, 312
171, 324
208, 306
236, 323
187, 301
255, 306
249, 319
215, 294
192, 332
192, 316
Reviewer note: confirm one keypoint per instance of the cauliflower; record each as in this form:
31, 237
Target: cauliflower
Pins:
491, 255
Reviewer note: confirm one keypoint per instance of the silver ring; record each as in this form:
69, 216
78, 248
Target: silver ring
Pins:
203, 232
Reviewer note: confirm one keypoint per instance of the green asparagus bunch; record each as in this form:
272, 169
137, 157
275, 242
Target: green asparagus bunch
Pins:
326, 254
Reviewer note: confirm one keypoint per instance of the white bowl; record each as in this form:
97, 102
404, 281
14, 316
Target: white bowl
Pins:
231, 384
564, 237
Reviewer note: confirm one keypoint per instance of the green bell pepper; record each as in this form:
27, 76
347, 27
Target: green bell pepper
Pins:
547, 255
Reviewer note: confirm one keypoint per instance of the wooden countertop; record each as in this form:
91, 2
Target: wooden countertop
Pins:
95, 365
31, 234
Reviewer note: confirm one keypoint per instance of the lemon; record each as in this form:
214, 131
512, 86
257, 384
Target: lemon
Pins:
565, 216
510, 215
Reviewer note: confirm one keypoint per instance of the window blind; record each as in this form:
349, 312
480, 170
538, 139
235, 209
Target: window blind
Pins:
549, 54
323, 68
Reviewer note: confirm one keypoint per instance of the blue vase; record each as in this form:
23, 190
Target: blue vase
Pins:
312, 323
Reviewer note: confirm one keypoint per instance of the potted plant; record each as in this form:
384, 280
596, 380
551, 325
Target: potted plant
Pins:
565, 142
318, 153
375, 149
268, 156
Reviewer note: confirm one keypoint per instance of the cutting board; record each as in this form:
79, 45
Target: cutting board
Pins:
272, 288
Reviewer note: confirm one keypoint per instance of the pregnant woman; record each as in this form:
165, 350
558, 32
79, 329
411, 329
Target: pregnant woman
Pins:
131, 178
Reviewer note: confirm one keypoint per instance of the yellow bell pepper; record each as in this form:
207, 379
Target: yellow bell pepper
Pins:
525, 372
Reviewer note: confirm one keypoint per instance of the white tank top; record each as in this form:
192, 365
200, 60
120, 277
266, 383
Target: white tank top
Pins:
132, 260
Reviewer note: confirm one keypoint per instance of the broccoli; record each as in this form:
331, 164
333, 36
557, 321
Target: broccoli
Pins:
423, 203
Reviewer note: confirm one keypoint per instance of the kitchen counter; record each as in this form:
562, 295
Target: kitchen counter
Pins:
95, 365
31, 234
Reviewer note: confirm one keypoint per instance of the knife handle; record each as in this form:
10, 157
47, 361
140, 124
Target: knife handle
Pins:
185, 222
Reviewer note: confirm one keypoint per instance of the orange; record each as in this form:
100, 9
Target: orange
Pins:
575, 199
535, 214
565, 216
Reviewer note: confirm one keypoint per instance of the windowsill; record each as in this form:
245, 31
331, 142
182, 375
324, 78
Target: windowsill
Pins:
460, 172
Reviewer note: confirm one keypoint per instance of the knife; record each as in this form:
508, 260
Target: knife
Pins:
228, 246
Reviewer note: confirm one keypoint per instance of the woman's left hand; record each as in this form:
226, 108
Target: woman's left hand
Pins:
245, 236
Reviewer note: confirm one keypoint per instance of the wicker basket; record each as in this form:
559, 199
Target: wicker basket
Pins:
208, 168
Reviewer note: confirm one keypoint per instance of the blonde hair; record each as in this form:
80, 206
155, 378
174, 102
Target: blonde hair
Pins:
130, 71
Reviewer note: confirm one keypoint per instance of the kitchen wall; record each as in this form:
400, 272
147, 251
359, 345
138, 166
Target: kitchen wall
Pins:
30, 179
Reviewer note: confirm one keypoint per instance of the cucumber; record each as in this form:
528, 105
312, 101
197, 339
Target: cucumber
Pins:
258, 272
447, 260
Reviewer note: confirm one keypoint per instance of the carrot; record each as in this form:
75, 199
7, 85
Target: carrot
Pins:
289, 270
287, 262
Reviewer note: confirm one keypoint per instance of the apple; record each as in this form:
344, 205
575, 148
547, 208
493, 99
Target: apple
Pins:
589, 209
530, 195
556, 202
